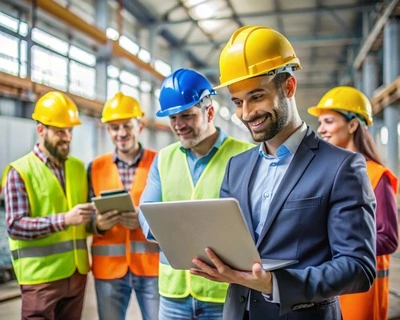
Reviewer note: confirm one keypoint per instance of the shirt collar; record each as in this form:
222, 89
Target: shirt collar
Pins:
136, 160
289, 146
222, 136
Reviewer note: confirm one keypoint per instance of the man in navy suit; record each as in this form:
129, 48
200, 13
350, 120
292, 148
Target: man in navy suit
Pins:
303, 198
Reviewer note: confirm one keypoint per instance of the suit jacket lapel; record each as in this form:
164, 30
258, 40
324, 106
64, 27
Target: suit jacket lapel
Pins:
300, 161
246, 194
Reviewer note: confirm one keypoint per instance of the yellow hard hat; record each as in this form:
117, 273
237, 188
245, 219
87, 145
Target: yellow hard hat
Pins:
344, 98
253, 51
121, 107
56, 109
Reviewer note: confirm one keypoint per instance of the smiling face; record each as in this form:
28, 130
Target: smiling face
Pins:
334, 128
263, 107
193, 125
55, 141
125, 134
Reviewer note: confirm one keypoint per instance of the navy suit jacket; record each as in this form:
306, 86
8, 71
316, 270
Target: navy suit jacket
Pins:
323, 215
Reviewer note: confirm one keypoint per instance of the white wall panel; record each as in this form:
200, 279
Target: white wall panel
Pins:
17, 137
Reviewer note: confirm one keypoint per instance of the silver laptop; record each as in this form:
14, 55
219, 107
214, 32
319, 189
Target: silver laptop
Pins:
183, 229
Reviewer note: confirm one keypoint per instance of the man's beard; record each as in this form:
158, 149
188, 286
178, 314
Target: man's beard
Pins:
276, 126
52, 149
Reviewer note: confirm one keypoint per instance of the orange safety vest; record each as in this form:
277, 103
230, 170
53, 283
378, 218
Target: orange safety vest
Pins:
120, 248
373, 304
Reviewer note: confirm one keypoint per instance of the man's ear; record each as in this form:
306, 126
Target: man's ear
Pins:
40, 129
291, 84
353, 125
210, 113
140, 125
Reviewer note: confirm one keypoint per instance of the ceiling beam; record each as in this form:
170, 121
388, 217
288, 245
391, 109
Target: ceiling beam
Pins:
374, 34
283, 13
320, 41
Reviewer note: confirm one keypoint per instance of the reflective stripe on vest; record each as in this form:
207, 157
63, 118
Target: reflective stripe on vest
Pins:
55, 248
382, 273
117, 250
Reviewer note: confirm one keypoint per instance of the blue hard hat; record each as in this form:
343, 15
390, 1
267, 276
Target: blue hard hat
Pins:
181, 90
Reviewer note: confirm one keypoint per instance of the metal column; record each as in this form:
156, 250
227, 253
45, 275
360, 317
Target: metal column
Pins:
391, 70
104, 53
370, 83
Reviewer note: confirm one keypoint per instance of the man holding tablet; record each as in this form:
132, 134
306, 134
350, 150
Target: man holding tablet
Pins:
192, 168
122, 258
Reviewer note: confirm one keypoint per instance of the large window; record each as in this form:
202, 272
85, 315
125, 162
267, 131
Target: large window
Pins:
9, 54
82, 80
54, 62
49, 68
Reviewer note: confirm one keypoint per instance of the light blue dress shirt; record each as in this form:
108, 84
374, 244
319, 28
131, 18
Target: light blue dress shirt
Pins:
269, 174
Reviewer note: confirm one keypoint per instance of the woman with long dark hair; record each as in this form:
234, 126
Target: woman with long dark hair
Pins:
344, 114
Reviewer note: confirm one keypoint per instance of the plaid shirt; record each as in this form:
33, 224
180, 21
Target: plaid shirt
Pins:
126, 171
20, 223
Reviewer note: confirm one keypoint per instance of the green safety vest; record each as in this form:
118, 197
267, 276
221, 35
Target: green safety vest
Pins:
174, 172
59, 254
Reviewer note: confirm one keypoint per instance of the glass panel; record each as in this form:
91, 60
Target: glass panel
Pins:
82, 80
49, 68
130, 91
162, 67
145, 86
82, 56
144, 55
129, 78
8, 54
23, 72
128, 45
112, 88
23, 29
50, 41
112, 34
112, 71
8, 22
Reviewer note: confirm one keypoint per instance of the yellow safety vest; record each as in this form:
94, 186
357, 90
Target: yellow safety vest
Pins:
174, 172
58, 255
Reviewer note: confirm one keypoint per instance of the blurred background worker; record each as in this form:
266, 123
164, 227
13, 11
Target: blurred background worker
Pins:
46, 213
344, 114
123, 260
192, 168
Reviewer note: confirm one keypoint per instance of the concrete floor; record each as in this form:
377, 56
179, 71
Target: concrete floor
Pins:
10, 307
10, 302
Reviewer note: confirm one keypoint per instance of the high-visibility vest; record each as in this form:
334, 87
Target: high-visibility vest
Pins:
58, 255
373, 304
174, 172
120, 248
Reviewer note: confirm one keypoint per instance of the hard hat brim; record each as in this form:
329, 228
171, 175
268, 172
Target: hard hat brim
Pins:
174, 110
249, 76
56, 124
315, 111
